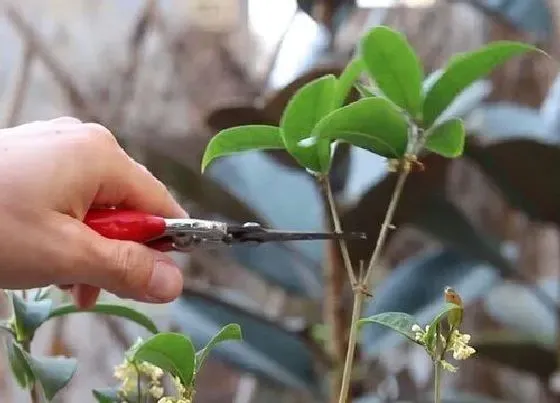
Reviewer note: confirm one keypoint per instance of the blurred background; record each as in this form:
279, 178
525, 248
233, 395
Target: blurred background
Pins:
164, 76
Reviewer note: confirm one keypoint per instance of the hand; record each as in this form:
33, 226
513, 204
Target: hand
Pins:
51, 174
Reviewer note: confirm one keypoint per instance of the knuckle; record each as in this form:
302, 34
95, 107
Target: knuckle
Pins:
100, 135
65, 120
133, 266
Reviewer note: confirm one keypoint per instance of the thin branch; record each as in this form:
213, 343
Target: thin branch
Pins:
334, 314
361, 290
386, 226
41, 50
359, 298
338, 228
19, 90
138, 39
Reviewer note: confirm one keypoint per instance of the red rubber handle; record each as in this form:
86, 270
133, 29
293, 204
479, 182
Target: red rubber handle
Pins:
125, 225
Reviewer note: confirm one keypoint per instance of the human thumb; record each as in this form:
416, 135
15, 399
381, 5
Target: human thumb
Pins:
132, 270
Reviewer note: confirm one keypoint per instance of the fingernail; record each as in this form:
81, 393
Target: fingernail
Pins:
163, 285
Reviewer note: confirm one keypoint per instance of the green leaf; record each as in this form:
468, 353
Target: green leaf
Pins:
431, 333
462, 70
172, 352
29, 315
110, 395
53, 373
447, 139
109, 309
395, 67
370, 123
305, 109
346, 80
242, 138
398, 321
227, 333
20, 368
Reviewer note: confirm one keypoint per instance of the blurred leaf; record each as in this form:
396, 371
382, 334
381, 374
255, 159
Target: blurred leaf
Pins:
444, 221
277, 194
550, 110
415, 287
20, 368
524, 352
395, 67
240, 139
447, 139
398, 321
368, 213
532, 16
231, 332
108, 309
333, 12
463, 69
506, 121
53, 373
172, 352
241, 115
448, 396
29, 315
370, 123
530, 187
340, 168
307, 107
514, 306
268, 350
108, 395
447, 224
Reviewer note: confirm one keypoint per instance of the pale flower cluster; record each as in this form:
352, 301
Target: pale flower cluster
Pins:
128, 372
419, 334
458, 344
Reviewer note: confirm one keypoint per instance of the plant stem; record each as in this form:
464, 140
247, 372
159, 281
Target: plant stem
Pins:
352, 340
360, 291
34, 391
26, 345
338, 228
386, 226
138, 385
437, 382
334, 314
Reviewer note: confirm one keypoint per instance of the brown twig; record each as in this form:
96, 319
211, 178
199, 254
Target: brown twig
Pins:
20, 87
77, 100
333, 310
130, 74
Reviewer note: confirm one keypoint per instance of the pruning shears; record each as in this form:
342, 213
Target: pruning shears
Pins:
182, 234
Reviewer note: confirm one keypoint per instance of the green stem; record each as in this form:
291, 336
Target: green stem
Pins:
361, 290
437, 382
338, 228
386, 226
26, 345
138, 385
34, 392
352, 340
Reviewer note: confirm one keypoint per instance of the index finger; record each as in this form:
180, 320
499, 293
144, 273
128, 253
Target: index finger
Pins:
126, 183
